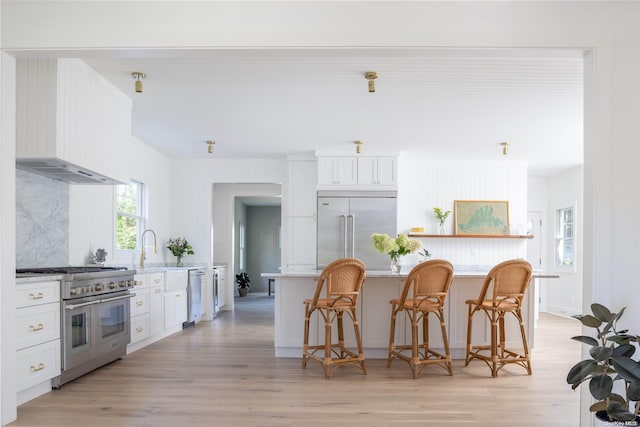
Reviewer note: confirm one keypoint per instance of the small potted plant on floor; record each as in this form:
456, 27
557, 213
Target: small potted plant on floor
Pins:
243, 280
610, 363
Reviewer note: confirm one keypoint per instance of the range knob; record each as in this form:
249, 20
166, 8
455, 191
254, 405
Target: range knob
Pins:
124, 283
113, 285
73, 291
99, 287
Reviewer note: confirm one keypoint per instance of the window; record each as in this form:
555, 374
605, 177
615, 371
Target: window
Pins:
130, 221
565, 238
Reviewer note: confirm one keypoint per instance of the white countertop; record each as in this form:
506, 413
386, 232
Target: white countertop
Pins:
459, 273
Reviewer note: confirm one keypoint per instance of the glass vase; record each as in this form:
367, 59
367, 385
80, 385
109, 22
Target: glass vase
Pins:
179, 261
396, 265
441, 228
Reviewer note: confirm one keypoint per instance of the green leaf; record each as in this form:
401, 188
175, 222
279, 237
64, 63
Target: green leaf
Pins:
587, 340
600, 386
633, 392
624, 350
591, 321
601, 353
619, 412
580, 371
627, 368
598, 406
601, 312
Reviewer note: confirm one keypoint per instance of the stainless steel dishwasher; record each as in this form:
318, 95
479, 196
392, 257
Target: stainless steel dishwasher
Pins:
194, 297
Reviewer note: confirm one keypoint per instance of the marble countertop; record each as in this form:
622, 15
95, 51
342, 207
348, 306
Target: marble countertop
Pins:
459, 273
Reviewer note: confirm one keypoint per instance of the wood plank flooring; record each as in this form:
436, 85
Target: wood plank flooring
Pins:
223, 373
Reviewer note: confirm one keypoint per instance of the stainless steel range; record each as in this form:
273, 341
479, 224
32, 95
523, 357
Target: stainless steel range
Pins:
95, 317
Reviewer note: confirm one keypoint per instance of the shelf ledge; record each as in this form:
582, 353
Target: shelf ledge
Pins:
472, 236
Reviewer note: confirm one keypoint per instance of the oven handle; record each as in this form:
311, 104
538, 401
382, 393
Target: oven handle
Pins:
131, 295
84, 304
98, 301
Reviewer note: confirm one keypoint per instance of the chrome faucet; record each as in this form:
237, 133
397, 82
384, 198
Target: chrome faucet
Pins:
142, 253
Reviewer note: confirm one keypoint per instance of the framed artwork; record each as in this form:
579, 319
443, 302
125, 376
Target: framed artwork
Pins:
481, 217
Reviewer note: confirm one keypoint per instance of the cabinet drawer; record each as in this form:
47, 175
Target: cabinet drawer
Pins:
140, 281
35, 325
30, 294
140, 302
139, 328
156, 279
37, 364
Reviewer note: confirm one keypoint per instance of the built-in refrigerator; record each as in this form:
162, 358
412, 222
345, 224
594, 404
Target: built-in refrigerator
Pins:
346, 221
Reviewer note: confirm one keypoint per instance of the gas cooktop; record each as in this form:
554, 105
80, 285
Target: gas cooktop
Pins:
67, 270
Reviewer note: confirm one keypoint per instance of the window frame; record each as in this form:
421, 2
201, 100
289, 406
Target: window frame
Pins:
561, 237
141, 216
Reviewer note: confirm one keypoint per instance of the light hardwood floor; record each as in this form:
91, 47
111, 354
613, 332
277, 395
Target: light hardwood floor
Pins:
223, 373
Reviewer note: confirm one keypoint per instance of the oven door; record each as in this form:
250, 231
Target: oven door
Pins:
77, 333
112, 331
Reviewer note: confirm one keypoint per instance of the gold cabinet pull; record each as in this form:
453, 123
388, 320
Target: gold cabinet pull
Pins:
39, 368
138, 283
158, 290
157, 280
139, 329
39, 295
36, 328
139, 303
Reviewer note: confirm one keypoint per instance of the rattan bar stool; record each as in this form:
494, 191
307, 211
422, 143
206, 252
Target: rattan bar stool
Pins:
424, 293
502, 292
342, 281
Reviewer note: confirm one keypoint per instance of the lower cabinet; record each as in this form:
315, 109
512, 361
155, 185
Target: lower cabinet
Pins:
175, 308
37, 337
147, 321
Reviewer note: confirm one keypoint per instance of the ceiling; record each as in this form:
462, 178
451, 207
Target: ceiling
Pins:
442, 103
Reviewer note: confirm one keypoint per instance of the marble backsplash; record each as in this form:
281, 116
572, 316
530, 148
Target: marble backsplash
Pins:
42, 221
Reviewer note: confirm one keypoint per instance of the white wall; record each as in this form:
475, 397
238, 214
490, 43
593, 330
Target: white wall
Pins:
192, 199
424, 184
7, 239
564, 295
92, 214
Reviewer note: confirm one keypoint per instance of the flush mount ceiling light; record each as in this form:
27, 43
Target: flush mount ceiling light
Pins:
138, 76
371, 76
358, 144
505, 148
210, 144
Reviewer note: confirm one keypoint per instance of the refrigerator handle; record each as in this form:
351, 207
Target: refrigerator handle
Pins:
353, 235
344, 247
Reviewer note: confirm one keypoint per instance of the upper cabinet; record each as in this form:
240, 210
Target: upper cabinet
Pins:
372, 172
337, 171
72, 125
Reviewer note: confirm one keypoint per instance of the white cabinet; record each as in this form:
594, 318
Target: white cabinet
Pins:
69, 116
175, 308
357, 171
223, 285
37, 337
147, 324
156, 303
377, 170
299, 229
337, 170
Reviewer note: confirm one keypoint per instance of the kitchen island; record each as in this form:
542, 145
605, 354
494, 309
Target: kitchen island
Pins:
374, 312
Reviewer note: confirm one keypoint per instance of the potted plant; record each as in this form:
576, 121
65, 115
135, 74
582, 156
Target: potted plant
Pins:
396, 248
179, 247
243, 280
610, 363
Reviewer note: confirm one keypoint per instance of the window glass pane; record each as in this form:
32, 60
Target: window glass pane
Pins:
565, 247
129, 218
